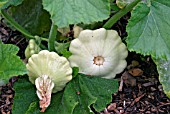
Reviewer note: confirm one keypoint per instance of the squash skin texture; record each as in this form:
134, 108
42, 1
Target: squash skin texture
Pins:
98, 43
52, 65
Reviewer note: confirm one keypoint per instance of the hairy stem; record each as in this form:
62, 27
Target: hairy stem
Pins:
120, 14
52, 37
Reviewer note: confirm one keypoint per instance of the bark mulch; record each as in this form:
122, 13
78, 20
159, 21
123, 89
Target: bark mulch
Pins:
140, 91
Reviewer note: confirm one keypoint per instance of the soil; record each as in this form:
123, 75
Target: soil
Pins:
140, 91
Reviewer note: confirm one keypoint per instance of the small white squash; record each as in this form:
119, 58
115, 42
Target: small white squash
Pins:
50, 73
99, 53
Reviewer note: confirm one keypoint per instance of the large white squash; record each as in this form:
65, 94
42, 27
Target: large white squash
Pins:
98, 53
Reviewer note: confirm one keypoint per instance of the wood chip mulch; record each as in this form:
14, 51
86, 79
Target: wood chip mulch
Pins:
140, 92
6, 97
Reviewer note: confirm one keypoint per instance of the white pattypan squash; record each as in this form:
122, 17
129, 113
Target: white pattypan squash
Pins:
50, 73
99, 53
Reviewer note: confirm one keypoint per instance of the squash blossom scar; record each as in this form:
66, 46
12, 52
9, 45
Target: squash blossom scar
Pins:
44, 87
99, 60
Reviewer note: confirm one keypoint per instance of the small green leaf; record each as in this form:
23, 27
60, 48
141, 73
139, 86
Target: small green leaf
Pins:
31, 16
75, 71
10, 64
77, 97
163, 67
66, 53
114, 7
61, 47
65, 12
148, 29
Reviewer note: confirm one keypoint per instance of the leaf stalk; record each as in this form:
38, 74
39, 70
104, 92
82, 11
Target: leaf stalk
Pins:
120, 14
19, 27
52, 37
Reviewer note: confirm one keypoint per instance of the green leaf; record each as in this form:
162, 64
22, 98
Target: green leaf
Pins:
25, 94
61, 47
148, 29
77, 97
65, 12
7, 3
163, 67
75, 71
32, 17
114, 7
66, 53
2, 2
10, 64
93, 91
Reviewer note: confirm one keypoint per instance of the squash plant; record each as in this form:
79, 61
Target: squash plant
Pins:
148, 34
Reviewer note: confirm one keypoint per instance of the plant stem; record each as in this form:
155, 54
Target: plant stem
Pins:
19, 27
52, 37
120, 14
16, 25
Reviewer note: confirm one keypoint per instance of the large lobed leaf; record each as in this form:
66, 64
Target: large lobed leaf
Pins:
10, 64
148, 29
163, 67
65, 12
77, 97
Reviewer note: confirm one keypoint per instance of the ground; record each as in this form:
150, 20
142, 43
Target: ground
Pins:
140, 91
